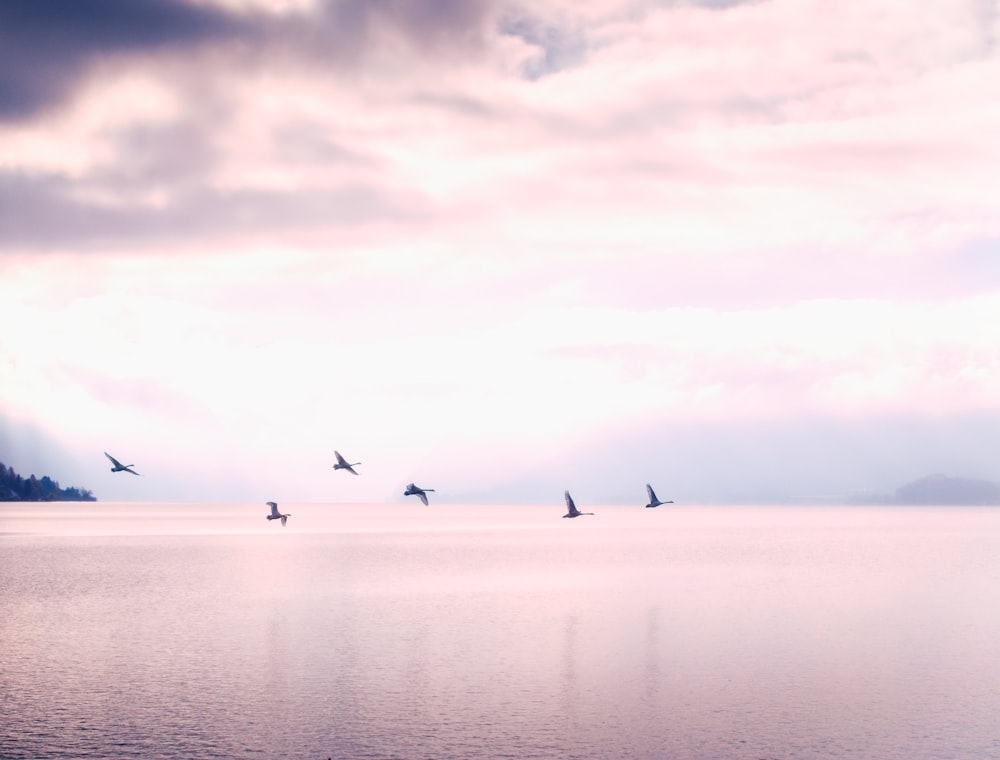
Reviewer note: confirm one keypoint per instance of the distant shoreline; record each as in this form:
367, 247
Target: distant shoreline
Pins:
15, 488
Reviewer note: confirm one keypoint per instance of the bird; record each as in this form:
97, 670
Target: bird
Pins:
653, 501
573, 511
118, 466
276, 515
412, 490
342, 464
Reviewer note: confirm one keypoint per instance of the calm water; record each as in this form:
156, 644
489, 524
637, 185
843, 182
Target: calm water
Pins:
203, 631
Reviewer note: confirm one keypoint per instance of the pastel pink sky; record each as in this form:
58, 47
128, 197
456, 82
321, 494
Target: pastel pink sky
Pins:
477, 245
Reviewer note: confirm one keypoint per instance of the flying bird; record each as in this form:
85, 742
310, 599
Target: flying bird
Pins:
276, 515
342, 464
412, 490
573, 511
118, 466
653, 501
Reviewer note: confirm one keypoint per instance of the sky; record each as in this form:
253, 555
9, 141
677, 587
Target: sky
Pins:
739, 250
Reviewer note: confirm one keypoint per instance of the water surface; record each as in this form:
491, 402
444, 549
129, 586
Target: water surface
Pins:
403, 631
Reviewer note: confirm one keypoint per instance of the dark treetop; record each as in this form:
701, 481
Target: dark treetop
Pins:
15, 488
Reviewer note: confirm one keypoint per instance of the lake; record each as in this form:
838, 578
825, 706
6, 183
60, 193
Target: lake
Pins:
448, 631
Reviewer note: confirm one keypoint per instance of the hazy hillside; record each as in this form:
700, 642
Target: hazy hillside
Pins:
942, 489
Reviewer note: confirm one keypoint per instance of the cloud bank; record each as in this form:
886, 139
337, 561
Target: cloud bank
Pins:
474, 236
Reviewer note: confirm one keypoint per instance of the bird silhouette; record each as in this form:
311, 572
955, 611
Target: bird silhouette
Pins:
573, 511
342, 464
276, 515
653, 501
421, 493
118, 466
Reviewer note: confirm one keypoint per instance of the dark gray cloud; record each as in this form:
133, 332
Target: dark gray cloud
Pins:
43, 212
49, 48
560, 46
433, 23
158, 153
46, 46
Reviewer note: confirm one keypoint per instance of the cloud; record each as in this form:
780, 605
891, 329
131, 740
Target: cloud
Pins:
53, 212
559, 45
428, 24
47, 46
717, 5
180, 144
639, 126
762, 461
481, 222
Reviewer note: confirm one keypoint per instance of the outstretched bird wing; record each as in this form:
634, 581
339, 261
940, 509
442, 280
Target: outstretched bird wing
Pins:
569, 503
423, 497
274, 509
340, 460
114, 461
652, 496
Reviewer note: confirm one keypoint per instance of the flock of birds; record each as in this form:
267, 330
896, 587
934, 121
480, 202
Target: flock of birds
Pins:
411, 490
572, 511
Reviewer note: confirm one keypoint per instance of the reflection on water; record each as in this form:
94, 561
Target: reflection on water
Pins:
182, 631
570, 686
651, 666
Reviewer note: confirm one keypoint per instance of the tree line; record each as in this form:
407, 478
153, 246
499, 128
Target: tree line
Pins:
13, 487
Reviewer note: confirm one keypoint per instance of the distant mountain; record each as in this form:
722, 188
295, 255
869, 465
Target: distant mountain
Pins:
942, 489
13, 487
